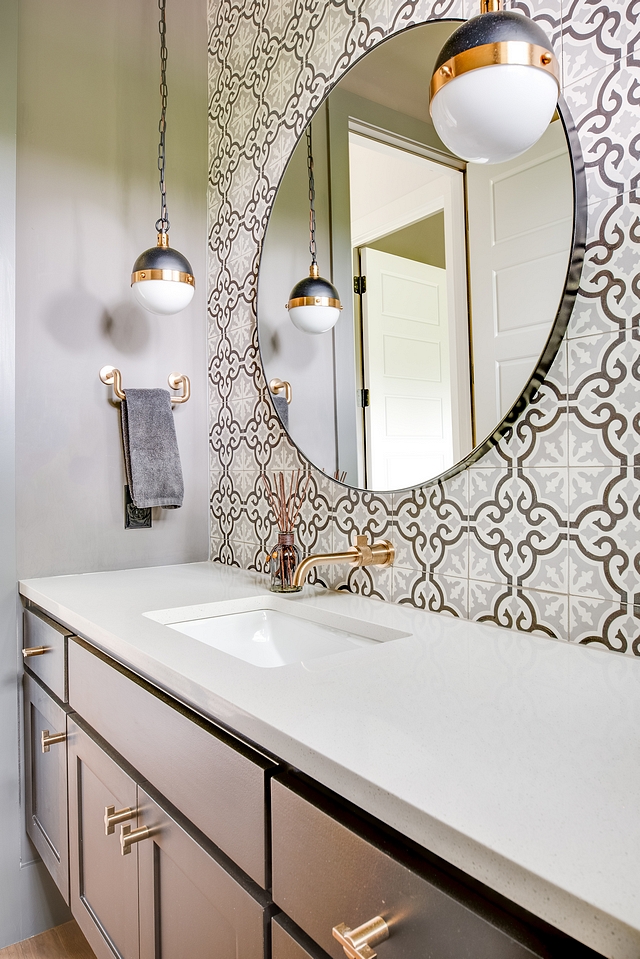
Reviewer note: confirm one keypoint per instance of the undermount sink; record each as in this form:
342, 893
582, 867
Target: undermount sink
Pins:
266, 631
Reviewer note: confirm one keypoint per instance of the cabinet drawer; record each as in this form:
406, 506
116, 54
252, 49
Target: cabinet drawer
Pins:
221, 788
46, 782
40, 632
325, 874
287, 941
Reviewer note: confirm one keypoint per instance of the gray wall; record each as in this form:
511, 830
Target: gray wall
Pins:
87, 201
28, 899
78, 200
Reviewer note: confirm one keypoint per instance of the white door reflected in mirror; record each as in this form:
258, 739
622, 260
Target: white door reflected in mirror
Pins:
458, 275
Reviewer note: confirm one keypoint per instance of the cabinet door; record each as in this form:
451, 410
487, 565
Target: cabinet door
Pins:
46, 781
104, 883
189, 904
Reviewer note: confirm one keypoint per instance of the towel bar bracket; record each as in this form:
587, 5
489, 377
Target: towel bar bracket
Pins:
111, 376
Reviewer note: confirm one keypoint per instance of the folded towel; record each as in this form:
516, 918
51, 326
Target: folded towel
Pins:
151, 456
282, 408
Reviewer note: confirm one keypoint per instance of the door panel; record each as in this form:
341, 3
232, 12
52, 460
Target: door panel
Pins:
520, 227
104, 890
407, 369
189, 905
46, 783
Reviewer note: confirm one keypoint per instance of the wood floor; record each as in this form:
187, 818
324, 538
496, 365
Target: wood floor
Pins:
63, 942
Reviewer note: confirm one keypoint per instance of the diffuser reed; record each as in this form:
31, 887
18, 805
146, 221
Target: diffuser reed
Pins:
286, 506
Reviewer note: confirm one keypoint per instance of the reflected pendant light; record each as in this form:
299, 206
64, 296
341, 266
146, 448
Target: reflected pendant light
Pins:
495, 86
314, 303
162, 279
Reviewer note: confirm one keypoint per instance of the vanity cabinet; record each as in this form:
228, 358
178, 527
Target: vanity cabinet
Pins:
44, 648
220, 785
189, 904
327, 876
172, 839
104, 883
45, 730
141, 885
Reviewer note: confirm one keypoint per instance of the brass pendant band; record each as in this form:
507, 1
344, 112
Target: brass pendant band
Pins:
488, 54
175, 275
314, 301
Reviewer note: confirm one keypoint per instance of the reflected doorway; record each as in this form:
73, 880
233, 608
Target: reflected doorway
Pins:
408, 241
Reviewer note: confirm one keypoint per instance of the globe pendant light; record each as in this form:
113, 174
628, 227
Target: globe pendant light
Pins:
162, 279
314, 303
494, 87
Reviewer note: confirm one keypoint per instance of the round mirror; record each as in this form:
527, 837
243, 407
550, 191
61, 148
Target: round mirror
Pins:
456, 280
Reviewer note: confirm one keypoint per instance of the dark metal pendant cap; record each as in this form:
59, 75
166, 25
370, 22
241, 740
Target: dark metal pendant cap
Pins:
498, 27
312, 287
162, 258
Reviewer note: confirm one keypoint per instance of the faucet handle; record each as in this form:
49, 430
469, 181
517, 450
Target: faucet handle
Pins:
365, 556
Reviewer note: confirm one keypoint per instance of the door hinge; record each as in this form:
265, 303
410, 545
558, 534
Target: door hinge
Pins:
360, 284
364, 398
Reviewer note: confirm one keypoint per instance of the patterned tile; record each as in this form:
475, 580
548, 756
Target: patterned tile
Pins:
596, 34
604, 106
596, 622
539, 534
518, 527
528, 610
608, 295
604, 401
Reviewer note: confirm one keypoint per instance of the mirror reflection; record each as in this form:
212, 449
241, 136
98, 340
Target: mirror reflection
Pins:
450, 276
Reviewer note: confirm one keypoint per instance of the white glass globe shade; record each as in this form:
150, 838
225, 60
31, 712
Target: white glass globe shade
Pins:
163, 296
494, 113
314, 319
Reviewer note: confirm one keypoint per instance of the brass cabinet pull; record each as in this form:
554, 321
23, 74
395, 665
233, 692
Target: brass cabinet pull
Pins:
357, 942
128, 837
112, 817
35, 651
48, 740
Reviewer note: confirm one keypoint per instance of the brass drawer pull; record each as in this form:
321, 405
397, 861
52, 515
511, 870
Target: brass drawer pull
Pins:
128, 837
357, 942
49, 740
35, 651
112, 817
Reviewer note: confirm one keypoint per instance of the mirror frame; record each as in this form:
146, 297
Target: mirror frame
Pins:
563, 314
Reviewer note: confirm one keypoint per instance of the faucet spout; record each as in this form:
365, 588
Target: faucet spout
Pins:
381, 553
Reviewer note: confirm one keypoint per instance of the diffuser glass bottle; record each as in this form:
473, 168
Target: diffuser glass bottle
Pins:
283, 562
285, 556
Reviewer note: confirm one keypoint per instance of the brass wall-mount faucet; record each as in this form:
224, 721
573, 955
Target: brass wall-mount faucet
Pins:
381, 553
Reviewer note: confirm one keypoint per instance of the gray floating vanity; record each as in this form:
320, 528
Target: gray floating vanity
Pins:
201, 806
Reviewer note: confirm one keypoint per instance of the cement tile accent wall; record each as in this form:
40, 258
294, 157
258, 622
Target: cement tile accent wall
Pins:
543, 533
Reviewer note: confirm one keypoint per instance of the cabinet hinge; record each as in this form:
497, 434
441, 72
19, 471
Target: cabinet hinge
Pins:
360, 284
364, 398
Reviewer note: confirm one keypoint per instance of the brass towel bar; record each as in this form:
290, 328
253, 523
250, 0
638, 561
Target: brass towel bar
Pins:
110, 376
281, 386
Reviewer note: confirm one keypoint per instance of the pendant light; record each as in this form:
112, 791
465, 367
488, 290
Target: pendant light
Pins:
162, 279
314, 303
495, 86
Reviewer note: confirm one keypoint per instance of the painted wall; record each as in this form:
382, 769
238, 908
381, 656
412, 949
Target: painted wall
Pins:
543, 533
87, 202
78, 201
28, 899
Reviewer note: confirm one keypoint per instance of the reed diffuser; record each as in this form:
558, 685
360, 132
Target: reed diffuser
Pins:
284, 558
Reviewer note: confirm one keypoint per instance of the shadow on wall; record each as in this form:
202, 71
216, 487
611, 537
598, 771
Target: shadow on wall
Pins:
77, 320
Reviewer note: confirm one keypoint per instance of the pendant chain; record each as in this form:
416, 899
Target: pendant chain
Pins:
162, 225
312, 201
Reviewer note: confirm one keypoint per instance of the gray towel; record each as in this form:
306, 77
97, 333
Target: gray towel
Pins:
151, 456
282, 408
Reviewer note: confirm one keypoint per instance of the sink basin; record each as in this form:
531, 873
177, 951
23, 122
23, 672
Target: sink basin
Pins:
268, 631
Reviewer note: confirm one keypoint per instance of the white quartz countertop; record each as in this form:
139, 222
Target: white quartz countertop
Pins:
514, 757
